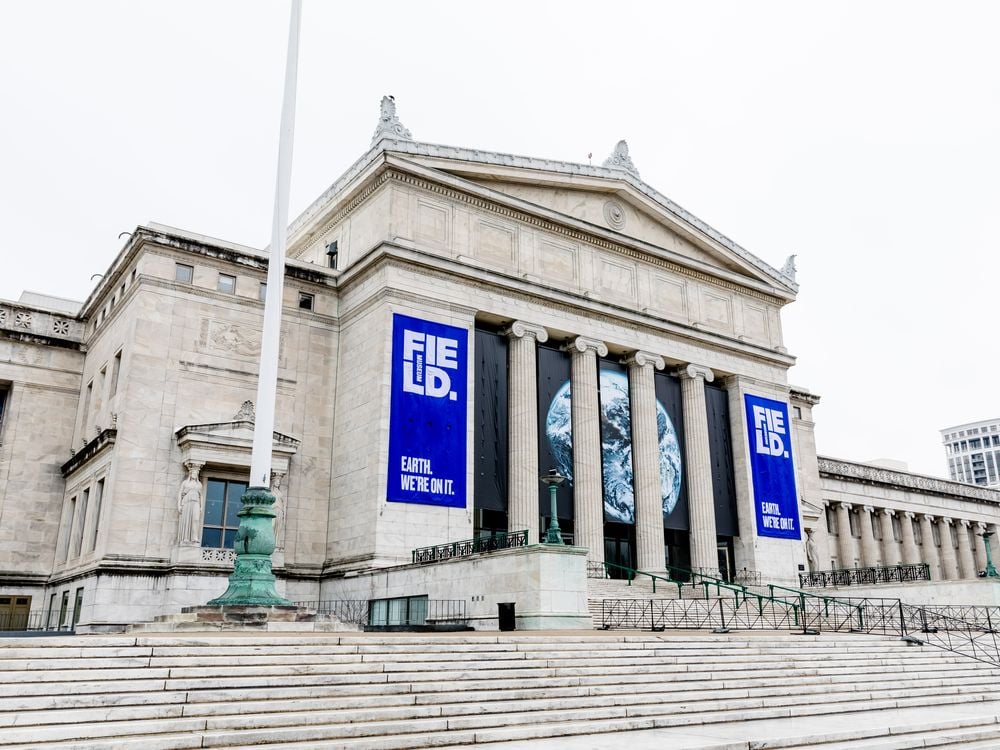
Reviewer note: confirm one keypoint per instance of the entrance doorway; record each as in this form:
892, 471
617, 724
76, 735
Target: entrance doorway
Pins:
725, 552
14, 612
619, 548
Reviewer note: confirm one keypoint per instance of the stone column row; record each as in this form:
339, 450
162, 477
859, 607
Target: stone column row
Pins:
946, 560
587, 458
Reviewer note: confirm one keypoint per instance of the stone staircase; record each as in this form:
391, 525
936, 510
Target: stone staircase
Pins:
394, 691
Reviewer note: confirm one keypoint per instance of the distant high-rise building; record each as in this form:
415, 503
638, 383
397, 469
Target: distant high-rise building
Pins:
973, 452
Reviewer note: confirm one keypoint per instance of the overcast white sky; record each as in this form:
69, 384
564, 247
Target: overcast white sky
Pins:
862, 136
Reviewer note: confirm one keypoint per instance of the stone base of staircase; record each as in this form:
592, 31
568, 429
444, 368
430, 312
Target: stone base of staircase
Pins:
256, 618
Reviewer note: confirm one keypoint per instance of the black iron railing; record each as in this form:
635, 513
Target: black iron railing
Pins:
25, 621
501, 540
353, 611
866, 576
983, 618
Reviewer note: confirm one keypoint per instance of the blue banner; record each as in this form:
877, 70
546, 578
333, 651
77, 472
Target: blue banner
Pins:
427, 413
771, 469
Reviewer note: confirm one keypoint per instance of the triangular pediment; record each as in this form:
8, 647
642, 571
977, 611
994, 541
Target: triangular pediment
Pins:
607, 201
237, 432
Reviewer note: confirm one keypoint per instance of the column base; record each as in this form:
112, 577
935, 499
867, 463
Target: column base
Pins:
251, 584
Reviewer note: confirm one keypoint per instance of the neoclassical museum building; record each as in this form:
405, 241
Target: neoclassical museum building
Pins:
456, 324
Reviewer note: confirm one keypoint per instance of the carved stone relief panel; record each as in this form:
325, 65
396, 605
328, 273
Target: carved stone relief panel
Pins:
717, 310
617, 280
755, 325
556, 260
495, 243
669, 295
433, 223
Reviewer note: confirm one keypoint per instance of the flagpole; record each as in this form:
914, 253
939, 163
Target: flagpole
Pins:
252, 582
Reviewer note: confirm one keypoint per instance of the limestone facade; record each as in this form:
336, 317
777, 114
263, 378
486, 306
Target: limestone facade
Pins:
109, 409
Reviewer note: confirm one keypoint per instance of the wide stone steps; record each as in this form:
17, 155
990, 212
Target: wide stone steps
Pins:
387, 692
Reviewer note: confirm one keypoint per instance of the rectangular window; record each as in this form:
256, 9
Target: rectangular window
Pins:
81, 522
797, 412
85, 416
64, 609
77, 606
132, 277
116, 369
406, 610
183, 273
262, 291
4, 392
68, 531
831, 520
98, 498
222, 503
305, 301
50, 621
227, 283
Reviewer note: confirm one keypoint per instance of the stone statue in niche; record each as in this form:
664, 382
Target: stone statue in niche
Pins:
189, 506
279, 509
812, 553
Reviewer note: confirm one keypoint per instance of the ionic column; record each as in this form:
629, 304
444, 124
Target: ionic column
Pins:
701, 502
522, 428
869, 545
890, 550
966, 560
929, 553
911, 553
978, 549
588, 489
845, 542
949, 563
646, 461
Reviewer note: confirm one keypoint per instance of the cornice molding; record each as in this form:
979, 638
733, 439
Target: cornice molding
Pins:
849, 470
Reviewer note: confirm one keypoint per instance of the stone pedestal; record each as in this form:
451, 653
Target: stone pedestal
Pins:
239, 617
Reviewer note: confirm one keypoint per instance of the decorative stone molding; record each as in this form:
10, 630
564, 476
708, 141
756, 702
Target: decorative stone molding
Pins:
389, 124
104, 441
789, 268
614, 214
583, 344
519, 329
692, 371
620, 159
246, 413
838, 468
22, 320
644, 359
214, 555
60, 327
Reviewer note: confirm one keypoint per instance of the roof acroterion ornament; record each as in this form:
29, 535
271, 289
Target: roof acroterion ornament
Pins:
389, 125
620, 159
789, 268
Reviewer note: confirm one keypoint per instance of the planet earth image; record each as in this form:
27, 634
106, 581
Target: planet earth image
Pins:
616, 446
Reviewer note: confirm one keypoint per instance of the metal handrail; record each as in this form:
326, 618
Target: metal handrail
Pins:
499, 540
872, 575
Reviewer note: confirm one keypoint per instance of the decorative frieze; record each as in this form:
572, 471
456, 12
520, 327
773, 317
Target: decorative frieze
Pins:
836, 468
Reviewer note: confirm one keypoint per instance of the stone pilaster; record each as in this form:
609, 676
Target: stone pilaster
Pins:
929, 551
966, 560
821, 537
646, 461
588, 488
869, 545
845, 542
522, 428
978, 549
701, 502
949, 562
890, 550
911, 553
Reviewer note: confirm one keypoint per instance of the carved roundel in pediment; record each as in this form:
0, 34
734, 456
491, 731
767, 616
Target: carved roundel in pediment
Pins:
614, 214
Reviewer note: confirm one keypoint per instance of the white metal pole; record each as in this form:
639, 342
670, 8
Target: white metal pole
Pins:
267, 382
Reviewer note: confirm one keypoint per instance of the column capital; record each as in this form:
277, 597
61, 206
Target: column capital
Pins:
980, 526
928, 517
868, 508
944, 520
520, 329
195, 466
909, 514
643, 359
888, 512
693, 371
583, 345
965, 522
846, 506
